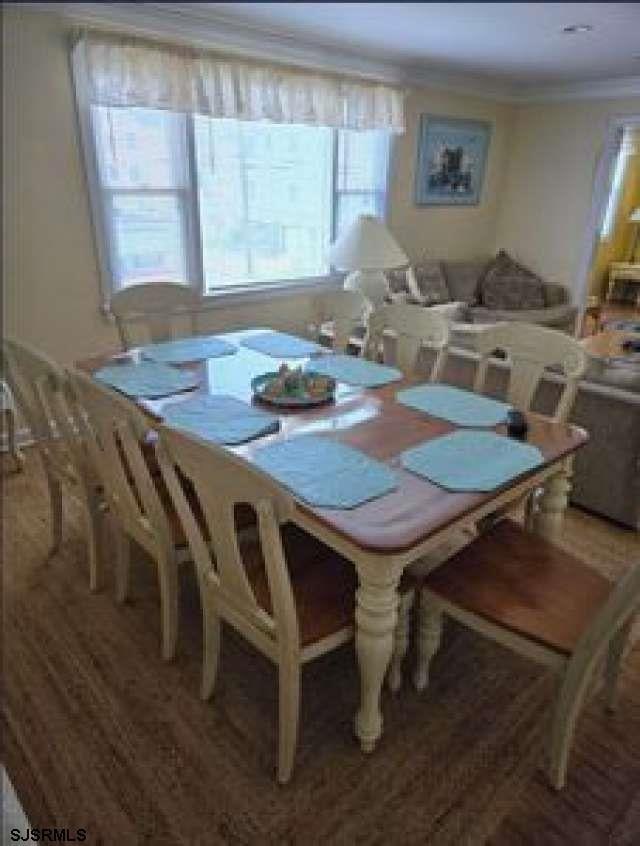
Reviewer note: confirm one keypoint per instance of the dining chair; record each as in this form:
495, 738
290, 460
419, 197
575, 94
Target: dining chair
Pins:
156, 305
409, 328
529, 595
339, 315
42, 393
116, 434
287, 593
530, 350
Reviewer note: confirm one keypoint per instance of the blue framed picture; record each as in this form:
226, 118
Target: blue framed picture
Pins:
452, 155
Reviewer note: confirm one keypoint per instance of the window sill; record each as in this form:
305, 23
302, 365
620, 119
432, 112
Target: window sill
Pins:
261, 293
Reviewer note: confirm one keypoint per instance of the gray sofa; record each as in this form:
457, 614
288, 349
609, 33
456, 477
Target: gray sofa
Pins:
607, 469
453, 287
462, 280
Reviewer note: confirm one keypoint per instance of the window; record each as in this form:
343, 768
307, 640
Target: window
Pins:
227, 203
617, 181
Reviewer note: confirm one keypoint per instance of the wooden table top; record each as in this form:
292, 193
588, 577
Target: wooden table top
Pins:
608, 344
373, 422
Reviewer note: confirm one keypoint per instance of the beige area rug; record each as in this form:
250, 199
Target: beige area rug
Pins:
100, 734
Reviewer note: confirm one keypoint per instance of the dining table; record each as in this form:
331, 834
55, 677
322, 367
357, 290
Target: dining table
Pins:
383, 536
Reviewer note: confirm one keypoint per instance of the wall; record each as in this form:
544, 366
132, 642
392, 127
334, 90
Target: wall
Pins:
448, 231
547, 193
50, 269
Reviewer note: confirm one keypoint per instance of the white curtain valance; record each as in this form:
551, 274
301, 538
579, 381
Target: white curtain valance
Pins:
123, 71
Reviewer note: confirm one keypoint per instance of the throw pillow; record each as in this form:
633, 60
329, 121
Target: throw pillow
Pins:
398, 280
431, 283
508, 285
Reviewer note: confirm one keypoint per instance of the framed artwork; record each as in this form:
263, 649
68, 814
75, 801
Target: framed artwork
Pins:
452, 154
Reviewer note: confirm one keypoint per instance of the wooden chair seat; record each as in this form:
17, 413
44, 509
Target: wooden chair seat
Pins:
521, 582
323, 583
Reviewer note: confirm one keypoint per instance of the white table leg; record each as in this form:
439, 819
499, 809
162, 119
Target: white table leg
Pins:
376, 616
552, 503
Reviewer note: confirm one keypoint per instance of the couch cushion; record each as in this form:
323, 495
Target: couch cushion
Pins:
462, 279
505, 284
562, 317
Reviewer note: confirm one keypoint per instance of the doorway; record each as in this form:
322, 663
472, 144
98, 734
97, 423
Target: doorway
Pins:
611, 262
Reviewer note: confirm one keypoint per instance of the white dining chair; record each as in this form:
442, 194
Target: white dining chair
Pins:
527, 594
116, 434
156, 306
339, 316
402, 331
530, 350
42, 393
287, 593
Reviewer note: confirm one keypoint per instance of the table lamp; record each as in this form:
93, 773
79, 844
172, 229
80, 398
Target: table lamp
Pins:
634, 218
366, 249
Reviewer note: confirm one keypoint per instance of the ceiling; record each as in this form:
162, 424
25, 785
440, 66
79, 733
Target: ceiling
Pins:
516, 43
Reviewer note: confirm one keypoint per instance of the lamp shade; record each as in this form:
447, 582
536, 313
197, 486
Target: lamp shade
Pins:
634, 217
367, 245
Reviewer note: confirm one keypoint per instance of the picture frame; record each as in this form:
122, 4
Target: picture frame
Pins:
451, 160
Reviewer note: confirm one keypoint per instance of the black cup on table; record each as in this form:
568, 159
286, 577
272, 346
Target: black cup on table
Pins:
516, 424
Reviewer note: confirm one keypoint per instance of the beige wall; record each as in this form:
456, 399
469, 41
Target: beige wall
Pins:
548, 189
448, 231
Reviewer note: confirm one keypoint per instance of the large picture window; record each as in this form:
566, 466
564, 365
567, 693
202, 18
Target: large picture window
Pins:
225, 203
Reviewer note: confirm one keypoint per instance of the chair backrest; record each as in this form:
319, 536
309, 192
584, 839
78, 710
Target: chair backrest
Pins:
412, 327
220, 566
622, 603
345, 310
530, 349
41, 391
114, 431
155, 305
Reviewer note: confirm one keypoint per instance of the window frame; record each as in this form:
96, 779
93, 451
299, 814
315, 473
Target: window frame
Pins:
101, 222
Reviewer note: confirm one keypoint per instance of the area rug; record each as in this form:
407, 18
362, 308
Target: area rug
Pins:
100, 734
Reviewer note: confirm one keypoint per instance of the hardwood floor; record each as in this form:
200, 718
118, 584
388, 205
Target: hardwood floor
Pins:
99, 733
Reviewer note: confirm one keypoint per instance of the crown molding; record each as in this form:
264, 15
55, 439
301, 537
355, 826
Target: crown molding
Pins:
187, 23
600, 89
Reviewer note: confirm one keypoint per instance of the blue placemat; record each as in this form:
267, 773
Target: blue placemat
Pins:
147, 379
281, 345
187, 349
464, 408
471, 461
326, 473
355, 371
221, 419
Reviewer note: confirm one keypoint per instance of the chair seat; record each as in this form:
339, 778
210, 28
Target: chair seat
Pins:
523, 583
323, 583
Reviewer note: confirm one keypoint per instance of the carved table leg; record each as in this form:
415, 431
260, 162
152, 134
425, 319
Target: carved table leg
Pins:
552, 503
376, 616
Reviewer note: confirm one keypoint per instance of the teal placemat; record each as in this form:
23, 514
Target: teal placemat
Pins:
355, 371
326, 473
147, 379
471, 461
221, 419
281, 345
188, 349
464, 408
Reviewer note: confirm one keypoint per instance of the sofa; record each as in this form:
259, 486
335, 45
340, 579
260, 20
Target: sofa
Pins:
484, 291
